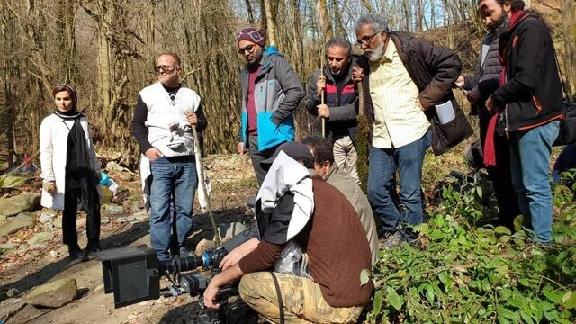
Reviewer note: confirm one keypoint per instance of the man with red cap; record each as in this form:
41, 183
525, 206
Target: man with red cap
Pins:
271, 91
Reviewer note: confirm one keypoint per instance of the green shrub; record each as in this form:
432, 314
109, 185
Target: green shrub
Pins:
461, 273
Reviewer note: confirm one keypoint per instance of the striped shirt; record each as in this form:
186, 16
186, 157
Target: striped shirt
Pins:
398, 120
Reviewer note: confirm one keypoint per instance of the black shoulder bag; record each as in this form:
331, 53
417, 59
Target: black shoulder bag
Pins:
567, 134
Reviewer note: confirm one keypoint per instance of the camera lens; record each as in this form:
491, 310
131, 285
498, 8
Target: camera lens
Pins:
194, 283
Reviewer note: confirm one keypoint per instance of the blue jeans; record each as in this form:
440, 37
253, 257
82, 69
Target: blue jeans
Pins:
529, 166
172, 179
408, 161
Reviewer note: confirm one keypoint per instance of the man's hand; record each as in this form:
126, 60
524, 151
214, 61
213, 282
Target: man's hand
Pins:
192, 119
209, 296
490, 105
357, 73
323, 111
225, 277
459, 82
420, 105
320, 85
240, 148
473, 96
238, 253
153, 153
50, 187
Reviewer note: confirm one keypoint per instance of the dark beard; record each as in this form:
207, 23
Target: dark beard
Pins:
503, 19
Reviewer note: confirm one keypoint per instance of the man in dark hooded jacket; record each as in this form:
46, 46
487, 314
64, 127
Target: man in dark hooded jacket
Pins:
496, 20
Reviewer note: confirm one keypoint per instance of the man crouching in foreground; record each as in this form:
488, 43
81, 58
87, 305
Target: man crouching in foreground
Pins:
314, 221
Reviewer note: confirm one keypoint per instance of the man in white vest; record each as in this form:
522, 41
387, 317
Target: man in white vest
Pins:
162, 125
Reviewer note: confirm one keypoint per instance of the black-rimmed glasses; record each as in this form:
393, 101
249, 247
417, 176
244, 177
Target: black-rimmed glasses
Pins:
366, 40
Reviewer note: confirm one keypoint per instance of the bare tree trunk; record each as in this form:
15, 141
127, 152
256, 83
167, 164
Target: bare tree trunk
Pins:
569, 27
368, 5
297, 46
66, 39
105, 77
433, 14
339, 21
6, 80
406, 14
325, 24
249, 11
6, 116
151, 32
270, 21
449, 21
419, 15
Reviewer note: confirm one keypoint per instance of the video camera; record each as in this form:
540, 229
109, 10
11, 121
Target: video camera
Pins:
133, 274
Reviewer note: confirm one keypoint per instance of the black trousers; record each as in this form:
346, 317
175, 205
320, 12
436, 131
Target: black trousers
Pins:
71, 198
500, 175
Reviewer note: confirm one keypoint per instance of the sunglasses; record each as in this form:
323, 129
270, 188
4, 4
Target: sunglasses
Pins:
165, 68
246, 49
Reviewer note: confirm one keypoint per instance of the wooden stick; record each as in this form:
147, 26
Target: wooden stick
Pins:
202, 185
322, 94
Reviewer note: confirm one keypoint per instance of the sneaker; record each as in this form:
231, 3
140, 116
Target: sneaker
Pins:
408, 236
392, 239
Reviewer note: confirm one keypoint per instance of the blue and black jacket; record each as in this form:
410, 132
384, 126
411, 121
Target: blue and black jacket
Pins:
278, 93
341, 100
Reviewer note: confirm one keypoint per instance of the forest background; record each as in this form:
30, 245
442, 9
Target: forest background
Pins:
106, 49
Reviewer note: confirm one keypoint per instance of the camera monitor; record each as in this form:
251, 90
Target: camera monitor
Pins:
131, 273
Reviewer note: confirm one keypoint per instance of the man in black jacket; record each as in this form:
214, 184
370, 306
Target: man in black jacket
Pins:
339, 109
496, 20
527, 107
405, 77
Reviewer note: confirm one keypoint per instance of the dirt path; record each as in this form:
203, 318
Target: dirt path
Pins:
24, 267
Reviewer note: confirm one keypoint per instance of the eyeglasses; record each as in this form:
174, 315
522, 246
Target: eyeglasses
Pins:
366, 40
165, 68
248, 49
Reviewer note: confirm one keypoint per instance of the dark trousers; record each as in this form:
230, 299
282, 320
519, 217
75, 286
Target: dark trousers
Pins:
71, 198
500, 174
259, 156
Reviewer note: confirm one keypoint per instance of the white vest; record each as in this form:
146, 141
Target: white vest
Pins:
168, 129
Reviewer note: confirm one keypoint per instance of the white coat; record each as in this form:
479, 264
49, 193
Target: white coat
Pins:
53, 151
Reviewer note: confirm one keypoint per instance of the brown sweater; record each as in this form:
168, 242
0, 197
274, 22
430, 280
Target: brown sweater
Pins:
336, 245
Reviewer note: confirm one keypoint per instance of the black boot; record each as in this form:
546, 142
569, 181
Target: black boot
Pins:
75, 252
91, 248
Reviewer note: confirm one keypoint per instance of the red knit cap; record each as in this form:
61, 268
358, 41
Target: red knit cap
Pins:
251, 34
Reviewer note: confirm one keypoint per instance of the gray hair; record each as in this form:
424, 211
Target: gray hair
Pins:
339, 42
379, 23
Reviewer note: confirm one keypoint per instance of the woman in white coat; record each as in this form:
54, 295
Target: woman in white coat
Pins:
70, 171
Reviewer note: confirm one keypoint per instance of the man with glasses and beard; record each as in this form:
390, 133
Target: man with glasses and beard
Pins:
271, 92
163, 119
404, 78
339, 110
495, 18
